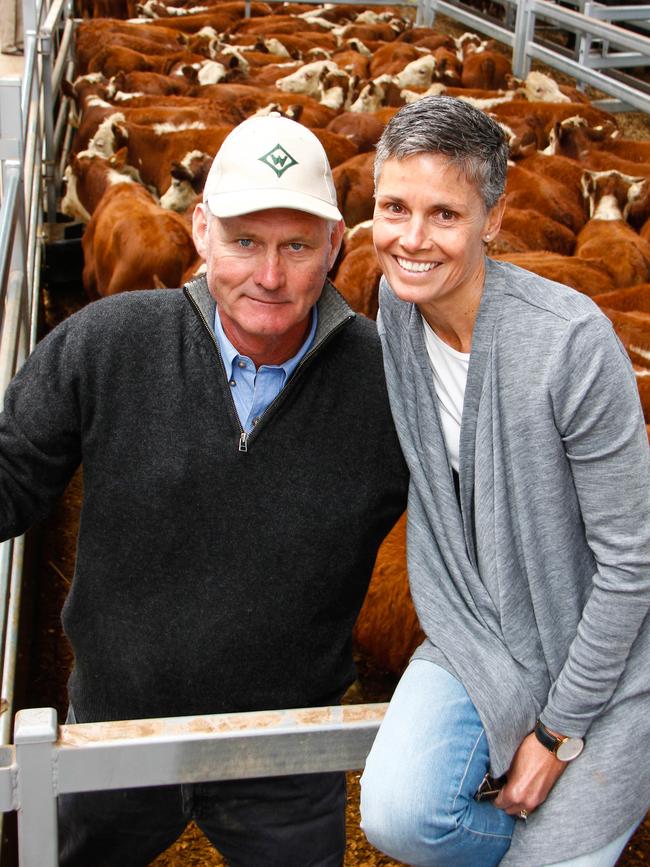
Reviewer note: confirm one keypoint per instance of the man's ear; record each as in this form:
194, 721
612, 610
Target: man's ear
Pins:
336, 240
200, 229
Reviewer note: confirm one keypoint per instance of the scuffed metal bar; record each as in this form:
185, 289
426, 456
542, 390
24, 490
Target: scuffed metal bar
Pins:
220, 747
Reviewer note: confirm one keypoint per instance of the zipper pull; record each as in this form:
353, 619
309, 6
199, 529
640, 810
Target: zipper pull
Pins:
243, 442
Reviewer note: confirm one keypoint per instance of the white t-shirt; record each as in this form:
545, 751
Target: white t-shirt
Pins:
449, 368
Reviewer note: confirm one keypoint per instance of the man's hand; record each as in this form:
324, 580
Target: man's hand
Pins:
533, 773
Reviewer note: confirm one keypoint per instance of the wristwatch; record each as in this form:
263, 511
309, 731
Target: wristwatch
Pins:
564, 749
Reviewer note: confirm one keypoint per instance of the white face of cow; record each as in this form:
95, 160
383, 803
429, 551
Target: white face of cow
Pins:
179, 196
211, 72
370, 98
418, 73
307, 79
274, 46
610, 194
542, 88
103, 142
70, 204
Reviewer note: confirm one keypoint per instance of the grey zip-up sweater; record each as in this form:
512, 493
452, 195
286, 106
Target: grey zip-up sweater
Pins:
208, 579
536, 594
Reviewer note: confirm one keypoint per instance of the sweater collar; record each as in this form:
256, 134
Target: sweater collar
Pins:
333, 310
405, 317
482, 339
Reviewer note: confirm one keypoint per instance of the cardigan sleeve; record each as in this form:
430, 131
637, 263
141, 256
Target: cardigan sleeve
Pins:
597, 411
39, 434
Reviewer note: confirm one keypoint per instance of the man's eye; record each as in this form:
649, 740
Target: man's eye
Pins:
394, 208
446, 215
245, 242
296, 246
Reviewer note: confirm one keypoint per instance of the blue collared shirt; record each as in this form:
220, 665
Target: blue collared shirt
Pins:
254, 390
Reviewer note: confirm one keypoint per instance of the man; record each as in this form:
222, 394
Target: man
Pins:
240, 471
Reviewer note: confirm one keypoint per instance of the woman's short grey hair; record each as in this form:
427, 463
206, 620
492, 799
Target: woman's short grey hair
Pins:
444, 125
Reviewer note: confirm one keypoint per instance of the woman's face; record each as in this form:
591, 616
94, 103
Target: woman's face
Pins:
429, 226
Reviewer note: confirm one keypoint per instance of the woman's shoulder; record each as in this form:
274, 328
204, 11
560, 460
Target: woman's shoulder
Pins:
531, 295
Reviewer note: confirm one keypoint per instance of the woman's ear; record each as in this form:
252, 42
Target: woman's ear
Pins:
493, 220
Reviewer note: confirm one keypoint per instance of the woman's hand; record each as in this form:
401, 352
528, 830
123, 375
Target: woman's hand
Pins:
533, 773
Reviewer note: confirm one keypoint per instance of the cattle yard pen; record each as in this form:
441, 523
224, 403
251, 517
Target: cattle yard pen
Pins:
38, 759
602, 48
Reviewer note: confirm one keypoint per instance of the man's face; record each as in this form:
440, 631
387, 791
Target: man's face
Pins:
266, 271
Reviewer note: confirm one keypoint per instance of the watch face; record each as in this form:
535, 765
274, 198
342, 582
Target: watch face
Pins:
569, 749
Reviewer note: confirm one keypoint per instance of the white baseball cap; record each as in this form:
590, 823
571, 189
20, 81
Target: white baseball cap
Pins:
271, 162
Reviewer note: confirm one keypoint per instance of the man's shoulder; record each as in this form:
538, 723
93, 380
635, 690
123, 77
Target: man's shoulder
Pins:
126, 304
129, 313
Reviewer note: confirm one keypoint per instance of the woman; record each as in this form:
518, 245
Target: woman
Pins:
528, 535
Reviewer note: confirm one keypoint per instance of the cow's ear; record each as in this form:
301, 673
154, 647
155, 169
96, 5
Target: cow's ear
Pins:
118, 159
180, 172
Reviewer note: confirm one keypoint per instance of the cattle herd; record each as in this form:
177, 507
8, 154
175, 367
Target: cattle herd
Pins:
160, 86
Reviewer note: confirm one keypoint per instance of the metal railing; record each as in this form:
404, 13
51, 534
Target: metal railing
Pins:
470, 17
589, 64
28, 147
48, 761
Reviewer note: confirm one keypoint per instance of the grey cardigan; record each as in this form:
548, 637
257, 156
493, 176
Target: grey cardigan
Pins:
535, 593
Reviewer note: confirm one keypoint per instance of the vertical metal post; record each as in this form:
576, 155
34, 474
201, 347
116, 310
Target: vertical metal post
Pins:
45, 50
583, 44
29, 15
524, 29
430, 7
34, 735
12, 593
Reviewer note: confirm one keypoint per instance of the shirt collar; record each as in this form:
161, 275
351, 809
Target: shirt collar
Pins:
230, 355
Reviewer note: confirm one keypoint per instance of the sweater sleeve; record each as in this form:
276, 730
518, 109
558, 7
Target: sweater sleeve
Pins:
39, 434
598, 414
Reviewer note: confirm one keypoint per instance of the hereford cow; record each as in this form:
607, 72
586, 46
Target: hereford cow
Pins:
625, 255
130, 242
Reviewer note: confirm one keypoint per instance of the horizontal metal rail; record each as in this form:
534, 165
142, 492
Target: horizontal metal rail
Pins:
469, 18
50, 761
527, 49
577, 22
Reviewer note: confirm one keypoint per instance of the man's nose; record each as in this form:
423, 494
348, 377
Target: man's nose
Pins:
270, 273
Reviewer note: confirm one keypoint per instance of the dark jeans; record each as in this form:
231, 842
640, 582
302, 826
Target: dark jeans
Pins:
294, 821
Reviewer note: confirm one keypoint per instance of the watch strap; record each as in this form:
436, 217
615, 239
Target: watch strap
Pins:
546, 739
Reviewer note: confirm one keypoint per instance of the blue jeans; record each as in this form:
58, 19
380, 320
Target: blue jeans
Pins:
427, 761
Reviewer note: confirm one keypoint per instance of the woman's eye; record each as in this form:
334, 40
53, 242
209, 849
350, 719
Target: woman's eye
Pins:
394, 208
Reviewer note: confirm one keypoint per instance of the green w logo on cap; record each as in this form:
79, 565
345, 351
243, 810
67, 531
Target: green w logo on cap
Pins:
279, 160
